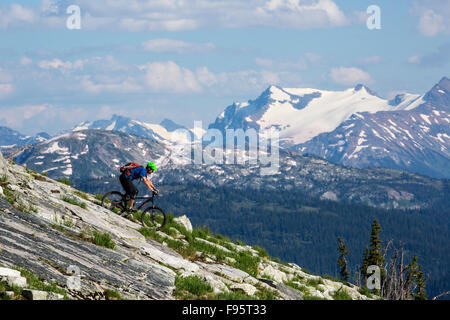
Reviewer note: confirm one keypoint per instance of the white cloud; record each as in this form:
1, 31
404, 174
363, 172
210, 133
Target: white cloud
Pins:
112, 86
300, 14
15, 15
25, 117
6, 88
58, 64
414, 59
431, 23
24, 61
434, 16
349, 76
371, 60
15, 116
303, 62
435, 59
4, 77
179, 15
170, 77
162, 45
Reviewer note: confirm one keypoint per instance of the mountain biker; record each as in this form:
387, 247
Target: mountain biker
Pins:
127, 177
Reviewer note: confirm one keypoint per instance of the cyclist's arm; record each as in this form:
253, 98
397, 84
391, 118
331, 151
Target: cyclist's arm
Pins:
149, 184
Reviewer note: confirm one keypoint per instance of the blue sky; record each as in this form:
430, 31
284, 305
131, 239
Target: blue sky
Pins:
188, 60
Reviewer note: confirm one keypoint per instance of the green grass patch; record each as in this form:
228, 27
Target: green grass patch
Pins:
10, 195
81, 195
310, 297
247, 262
296, 284
201, 232
4, 287
265, 294
191, 287
66, 181
103, 240
328, 277
74, 202
365, 291
261, 251
112, 295
341, 295
37, 284
314, 282
233, 295
99, 196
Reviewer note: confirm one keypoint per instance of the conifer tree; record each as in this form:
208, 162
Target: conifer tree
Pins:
365, 265
375, 257
421, 293
342, 261
415, 278
372, 254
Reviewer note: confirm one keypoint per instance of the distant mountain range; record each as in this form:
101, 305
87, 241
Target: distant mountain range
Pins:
354, 127
93, 157
301, 114
163, 132
88, 154
11, 138
414, 139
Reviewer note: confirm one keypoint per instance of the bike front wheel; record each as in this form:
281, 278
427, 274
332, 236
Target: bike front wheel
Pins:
153, 218
114, 201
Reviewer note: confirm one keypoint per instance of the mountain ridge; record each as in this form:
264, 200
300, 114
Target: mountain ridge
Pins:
416, 140
90, 155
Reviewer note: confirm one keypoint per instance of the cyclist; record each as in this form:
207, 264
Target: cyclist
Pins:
139, 172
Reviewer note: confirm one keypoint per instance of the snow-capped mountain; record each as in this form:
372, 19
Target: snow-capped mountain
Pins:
87, 154
92, 158
164, 132
300, 114
415, 139
11, 138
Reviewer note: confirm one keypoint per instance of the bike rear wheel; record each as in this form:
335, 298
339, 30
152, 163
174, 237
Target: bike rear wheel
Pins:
153, 218
114, 201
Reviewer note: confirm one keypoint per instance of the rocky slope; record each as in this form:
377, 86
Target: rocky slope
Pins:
46, 236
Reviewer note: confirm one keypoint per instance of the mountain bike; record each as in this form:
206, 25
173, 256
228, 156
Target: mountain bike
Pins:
152, 216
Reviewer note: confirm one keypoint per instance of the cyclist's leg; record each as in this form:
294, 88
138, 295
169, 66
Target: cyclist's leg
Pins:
130, 189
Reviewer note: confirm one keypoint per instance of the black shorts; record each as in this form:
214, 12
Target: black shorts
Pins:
128, 186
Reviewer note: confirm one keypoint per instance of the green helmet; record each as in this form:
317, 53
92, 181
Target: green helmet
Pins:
152, 166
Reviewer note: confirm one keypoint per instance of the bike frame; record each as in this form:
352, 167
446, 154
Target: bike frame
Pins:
149, 199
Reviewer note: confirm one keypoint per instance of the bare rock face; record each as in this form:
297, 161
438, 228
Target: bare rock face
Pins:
41, 295
185, 222
33, 244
